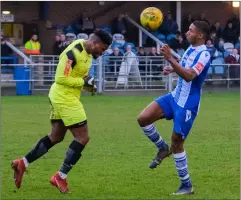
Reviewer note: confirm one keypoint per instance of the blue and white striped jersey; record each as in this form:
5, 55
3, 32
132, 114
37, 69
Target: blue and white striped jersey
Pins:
187, 94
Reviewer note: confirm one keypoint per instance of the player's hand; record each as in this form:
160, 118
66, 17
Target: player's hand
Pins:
167, 70
166, 52
90, 88
89, 81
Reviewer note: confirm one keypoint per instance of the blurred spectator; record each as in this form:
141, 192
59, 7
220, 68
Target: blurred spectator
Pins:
236, 22
230, 33
169, 25
215, 28
178, 43
119, 25
68, 29
32, 47
211, 48
6, 51
202, 18
154, 62
153, 52
188, 20
221, 44
115, 60
87, 24
215, 40
56, 49
70, 37
63, 43
77, 24
142, 61
128, 48
237, 45
234, 70
141, 52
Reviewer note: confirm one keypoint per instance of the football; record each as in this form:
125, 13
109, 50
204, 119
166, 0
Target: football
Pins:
151, 18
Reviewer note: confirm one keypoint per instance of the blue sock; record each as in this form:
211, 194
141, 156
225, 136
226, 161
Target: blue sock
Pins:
182, 168
151, 132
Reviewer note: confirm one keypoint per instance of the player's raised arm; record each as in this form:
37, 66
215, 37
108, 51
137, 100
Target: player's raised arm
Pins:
196, 36
186, 74
64, 68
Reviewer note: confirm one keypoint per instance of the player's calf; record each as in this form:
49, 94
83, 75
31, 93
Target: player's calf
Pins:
152, 134
74, 152
181, 163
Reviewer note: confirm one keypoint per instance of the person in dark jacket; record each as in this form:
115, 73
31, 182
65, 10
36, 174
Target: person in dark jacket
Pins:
230, 33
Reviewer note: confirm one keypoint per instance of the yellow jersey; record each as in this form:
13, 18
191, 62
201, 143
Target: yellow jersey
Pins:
74, 64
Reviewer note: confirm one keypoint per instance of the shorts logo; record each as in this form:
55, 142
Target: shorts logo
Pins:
67, 67
199, 67
188, 115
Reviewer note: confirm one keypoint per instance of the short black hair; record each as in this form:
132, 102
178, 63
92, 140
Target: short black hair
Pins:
178, 33
203, 27
104, 36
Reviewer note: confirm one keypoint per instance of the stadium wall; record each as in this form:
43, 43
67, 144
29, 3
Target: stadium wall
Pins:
28, 12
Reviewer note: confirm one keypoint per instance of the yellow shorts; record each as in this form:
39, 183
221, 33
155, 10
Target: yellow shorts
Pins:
73, 114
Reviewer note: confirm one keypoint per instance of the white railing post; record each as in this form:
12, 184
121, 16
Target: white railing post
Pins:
99, 75
228, 77
157, 47
179, 15
140, 38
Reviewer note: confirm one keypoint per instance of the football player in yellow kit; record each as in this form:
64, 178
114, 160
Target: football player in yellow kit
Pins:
67, 111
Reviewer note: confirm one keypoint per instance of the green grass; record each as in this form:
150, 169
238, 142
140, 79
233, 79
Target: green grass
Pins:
115, 163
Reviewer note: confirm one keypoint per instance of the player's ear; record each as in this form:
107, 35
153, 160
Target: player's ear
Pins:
95, 43
200, 36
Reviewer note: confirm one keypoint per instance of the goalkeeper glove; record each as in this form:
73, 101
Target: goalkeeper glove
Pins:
89, 81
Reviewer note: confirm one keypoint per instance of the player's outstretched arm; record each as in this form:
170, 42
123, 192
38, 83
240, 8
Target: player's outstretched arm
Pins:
186, 74
190, 73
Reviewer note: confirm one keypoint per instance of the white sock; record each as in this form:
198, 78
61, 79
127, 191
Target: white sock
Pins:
25, 162
62, 175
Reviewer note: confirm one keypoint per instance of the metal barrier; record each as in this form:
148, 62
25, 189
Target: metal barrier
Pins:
8, 59
44, 71
227, 75
126, 74
133, 73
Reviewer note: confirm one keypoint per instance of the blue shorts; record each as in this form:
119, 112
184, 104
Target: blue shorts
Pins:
183, 118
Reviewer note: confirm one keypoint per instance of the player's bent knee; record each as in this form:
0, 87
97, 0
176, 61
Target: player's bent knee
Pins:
177, 143
142, 120
56, 139
83, 140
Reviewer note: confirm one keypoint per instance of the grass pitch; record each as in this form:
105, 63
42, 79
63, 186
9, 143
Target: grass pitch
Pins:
115, 162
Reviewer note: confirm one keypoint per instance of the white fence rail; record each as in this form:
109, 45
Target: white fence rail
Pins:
127, 73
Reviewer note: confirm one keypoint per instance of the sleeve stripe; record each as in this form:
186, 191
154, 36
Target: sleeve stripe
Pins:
71, 56
79, 47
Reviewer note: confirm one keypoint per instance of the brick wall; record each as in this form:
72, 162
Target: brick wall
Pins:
65, 12
23, 11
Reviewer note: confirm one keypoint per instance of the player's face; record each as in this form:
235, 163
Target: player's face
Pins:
98, 49
193, 34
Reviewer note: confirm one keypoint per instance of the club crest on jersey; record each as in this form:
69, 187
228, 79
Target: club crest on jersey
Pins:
199, 67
